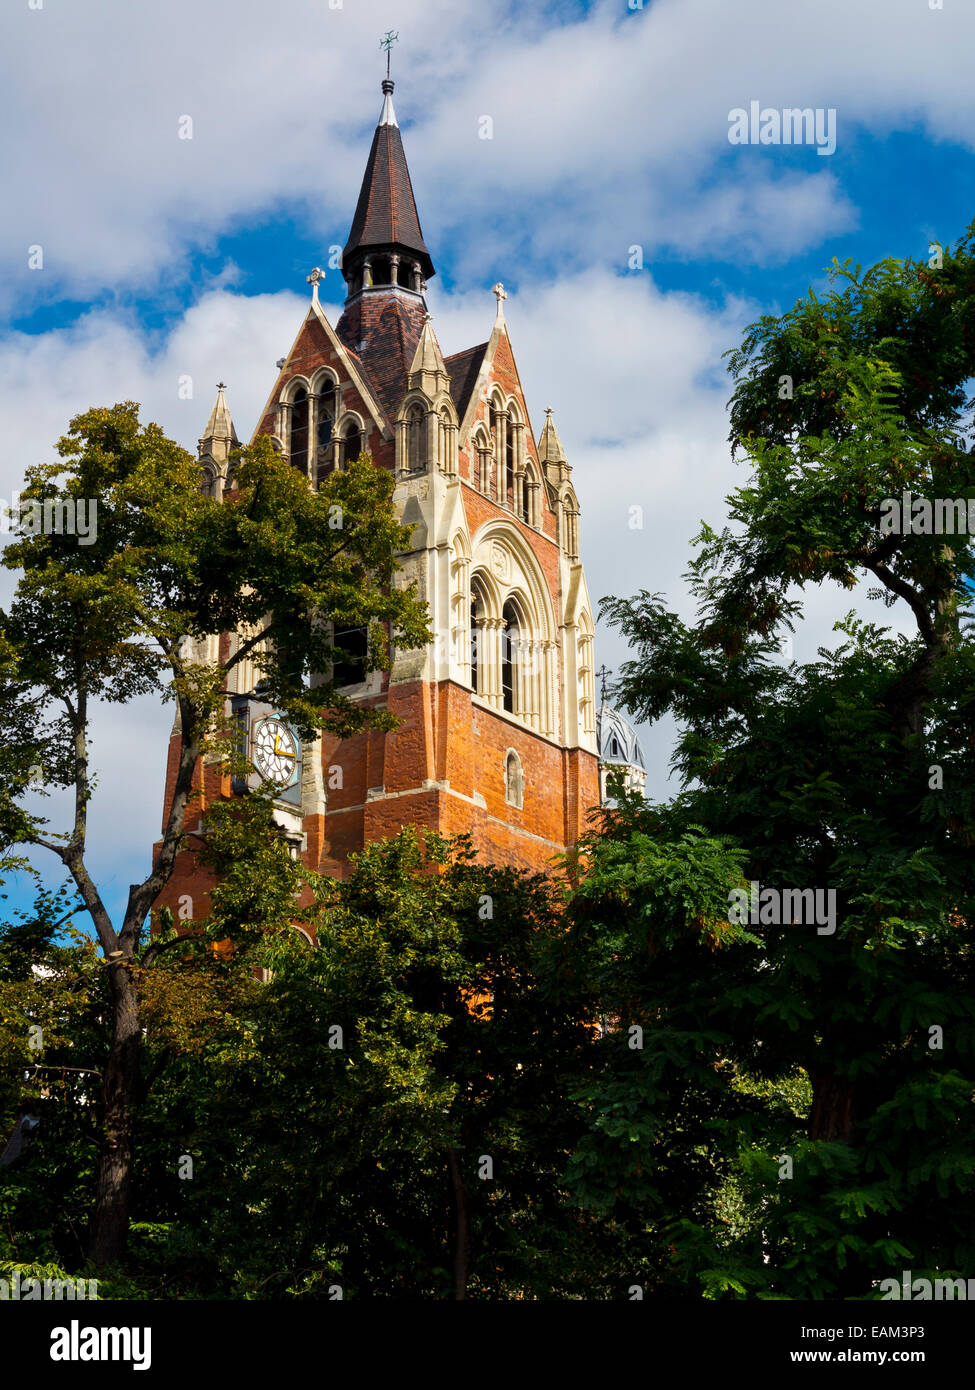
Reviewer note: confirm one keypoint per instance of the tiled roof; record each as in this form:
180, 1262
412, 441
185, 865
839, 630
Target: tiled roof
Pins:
381, 331
462, 369
385, 215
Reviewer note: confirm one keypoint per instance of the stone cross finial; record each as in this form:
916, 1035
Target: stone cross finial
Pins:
500, 293
313, 279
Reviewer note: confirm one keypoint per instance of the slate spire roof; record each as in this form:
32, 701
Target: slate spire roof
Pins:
386, 218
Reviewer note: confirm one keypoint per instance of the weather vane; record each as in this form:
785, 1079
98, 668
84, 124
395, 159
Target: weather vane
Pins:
387, 41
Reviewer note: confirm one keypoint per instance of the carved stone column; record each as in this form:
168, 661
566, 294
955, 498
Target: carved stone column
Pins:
549, 650
501, 453
491, 683
450, 448
519, 492
402, 446
533, 683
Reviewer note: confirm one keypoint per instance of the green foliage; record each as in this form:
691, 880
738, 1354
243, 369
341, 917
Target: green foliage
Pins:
851, 774
122, 612
349, 1164
52, 1047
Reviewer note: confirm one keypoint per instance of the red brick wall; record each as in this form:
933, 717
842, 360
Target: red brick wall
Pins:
448, 738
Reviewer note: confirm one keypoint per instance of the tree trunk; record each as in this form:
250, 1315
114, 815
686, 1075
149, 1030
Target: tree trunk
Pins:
462, 1241
111, 1219
832, 1114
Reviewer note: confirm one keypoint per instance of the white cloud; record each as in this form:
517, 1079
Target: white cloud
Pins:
605, 125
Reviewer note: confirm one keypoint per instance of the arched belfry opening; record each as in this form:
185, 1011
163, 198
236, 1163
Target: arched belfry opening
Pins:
299, 430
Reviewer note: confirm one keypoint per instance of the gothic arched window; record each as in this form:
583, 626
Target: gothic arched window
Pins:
414, 435
444, 447
482, 462
350, 666
476, 630
527, 497
324, 425
351, 443
509, 466
509, 657
514, 782
299, 429
569, 525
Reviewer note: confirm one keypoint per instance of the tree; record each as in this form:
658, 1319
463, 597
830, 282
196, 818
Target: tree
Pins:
53, 1001
117, 617
851, 775
394, 1121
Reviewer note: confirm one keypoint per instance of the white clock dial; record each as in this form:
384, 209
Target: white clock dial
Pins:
275, 752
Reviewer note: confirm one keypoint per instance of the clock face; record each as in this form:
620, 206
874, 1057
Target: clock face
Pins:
275, 752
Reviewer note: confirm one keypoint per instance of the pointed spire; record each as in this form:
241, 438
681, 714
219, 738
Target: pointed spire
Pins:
219, 437
550, 449
427, 371
386, 223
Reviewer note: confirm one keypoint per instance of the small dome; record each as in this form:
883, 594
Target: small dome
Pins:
616, 739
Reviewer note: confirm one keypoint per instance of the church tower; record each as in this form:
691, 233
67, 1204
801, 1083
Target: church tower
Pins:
497, 730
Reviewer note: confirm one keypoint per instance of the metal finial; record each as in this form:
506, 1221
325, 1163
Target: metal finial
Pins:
387, 41
604, 672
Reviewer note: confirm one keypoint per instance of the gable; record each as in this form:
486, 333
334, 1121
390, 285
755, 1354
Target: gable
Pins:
317, 345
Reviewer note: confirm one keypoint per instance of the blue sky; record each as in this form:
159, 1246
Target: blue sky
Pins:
165, 256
